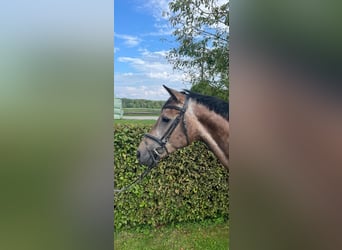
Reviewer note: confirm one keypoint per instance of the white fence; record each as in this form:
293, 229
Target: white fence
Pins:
118, 111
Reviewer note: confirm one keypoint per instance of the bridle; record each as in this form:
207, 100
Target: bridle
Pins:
157, 152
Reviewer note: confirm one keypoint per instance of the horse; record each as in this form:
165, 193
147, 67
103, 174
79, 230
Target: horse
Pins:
187, 117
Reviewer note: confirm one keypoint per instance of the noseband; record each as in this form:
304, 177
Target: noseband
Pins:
156, 153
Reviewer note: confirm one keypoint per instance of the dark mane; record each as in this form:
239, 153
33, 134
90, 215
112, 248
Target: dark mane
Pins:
212, 103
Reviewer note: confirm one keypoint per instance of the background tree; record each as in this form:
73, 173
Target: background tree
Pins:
201, 30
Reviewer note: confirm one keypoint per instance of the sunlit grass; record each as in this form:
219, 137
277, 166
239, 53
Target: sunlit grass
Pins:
129, 121
188, 236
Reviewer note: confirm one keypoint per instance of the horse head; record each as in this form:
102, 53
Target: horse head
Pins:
169, 133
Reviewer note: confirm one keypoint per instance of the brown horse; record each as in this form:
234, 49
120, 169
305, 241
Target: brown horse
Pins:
187, 117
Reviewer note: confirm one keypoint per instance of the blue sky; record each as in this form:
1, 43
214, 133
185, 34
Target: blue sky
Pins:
142, 38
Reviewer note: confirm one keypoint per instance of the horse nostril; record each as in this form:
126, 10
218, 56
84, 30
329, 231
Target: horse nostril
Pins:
138, 154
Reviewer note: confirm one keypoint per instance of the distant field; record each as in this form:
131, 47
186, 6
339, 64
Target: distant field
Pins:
141, 111
123, 121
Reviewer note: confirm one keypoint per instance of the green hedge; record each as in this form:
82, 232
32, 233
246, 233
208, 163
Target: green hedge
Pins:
190, 185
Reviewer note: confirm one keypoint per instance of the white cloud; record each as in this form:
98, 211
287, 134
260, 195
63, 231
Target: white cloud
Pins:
131, 60
144, 86
142, 92
159, 75
153, 65
155, 92
158, 8
116, 49
149, 63
154, 54
129, 41
150, 70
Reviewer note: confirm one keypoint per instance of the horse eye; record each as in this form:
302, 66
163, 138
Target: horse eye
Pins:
165, 119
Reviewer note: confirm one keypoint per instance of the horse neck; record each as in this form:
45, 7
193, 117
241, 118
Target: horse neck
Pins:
212, 129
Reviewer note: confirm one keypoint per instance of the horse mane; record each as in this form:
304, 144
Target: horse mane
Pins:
212, 103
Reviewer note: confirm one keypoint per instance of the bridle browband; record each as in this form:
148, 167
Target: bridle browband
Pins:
156, 154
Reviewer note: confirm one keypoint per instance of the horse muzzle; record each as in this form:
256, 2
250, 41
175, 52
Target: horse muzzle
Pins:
149, 158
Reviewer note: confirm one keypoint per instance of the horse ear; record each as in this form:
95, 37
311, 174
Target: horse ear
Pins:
174, 93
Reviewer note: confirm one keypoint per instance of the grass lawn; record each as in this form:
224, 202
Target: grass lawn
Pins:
185, 237
123, 121
142, 114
